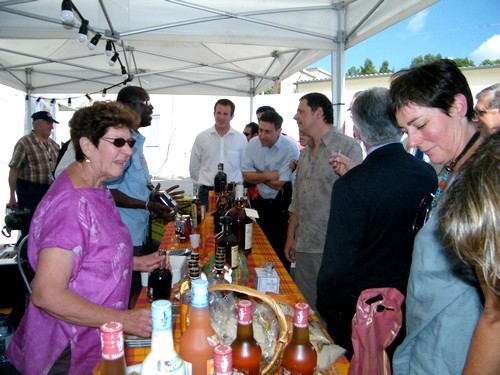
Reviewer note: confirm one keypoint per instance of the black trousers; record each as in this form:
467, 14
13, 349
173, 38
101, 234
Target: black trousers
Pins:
273, 220
29, 194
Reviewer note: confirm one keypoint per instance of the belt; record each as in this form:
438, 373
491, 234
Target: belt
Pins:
207, 187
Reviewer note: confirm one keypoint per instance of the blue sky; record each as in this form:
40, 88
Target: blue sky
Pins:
453, 28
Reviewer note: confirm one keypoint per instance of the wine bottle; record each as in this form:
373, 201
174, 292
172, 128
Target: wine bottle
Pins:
242, 225
220, 178
162, 359
185, 290
223, 360
247, 354
198, 341
224, 204
196, 211
299, 356
226, 241
160, 282
113, 355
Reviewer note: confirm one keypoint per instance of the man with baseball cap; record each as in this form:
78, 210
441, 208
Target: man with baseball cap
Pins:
31, 166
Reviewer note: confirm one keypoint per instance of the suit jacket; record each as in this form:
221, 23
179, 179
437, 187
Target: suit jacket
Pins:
369, 239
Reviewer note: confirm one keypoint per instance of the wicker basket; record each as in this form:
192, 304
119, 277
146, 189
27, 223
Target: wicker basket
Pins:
274, 364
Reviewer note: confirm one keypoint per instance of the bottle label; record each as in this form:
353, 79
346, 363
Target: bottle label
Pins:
171, 365
235, 256
248, 235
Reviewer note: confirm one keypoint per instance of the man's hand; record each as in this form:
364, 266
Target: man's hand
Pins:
159, 210
341, 164
179, 194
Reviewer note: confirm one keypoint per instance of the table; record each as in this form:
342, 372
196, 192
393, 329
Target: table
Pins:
261, 252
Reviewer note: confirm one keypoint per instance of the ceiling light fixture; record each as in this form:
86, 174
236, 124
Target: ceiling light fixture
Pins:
124, 73
82, 32
69, 102
109, 48
67, 11
89, 98
104, 93
93, 42
112, 61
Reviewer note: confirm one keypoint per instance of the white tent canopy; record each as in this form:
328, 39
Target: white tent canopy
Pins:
217, 47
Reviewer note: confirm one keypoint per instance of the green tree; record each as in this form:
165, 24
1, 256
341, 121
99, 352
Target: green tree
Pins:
353, 71
419, 60
384, 68
368, 68
490, 62
464, 62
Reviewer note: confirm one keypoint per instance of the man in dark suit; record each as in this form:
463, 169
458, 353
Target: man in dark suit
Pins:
369, 239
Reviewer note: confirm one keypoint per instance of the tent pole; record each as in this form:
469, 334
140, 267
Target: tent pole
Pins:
27, 109
338, 76
252, 94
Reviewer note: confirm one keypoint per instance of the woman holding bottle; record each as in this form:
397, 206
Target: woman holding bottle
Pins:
81, 253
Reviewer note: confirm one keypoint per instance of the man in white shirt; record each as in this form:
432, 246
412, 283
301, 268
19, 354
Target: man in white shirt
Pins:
218, 144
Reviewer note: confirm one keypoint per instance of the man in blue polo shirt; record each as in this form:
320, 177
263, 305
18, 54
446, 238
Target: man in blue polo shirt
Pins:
266, 163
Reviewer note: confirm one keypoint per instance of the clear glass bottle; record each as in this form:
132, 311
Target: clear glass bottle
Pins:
220, 178
226, 241
217, 273
198, 341
162, 359
242, 225
299, 355
160, 282
223, 360
113, 355
247, 354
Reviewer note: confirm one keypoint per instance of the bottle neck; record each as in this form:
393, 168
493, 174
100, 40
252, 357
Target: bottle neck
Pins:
199, 316
162, 341
244, 331
300, 335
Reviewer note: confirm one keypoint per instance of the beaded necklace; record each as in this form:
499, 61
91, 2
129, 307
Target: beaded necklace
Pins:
449, 169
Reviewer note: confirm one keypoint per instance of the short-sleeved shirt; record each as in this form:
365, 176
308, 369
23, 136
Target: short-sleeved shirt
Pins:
265, 159
134, 183
443, 307
86, 222
313, 189
210, 149
35, 160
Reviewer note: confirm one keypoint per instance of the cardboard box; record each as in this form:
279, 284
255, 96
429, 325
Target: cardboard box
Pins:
178, 263
266, 281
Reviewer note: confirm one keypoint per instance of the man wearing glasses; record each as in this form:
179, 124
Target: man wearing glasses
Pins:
487, 109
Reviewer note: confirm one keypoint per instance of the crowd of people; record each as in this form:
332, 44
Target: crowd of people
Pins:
351, 213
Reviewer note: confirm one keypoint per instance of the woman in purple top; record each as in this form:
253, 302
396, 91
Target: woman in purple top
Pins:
82, 253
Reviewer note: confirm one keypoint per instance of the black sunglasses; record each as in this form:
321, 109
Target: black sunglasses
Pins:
423, 213
246, 134
120, 142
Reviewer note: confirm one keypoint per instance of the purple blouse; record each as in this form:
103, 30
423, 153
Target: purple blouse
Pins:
86, 222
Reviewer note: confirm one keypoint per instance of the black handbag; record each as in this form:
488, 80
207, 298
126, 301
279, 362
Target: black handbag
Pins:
16, 220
